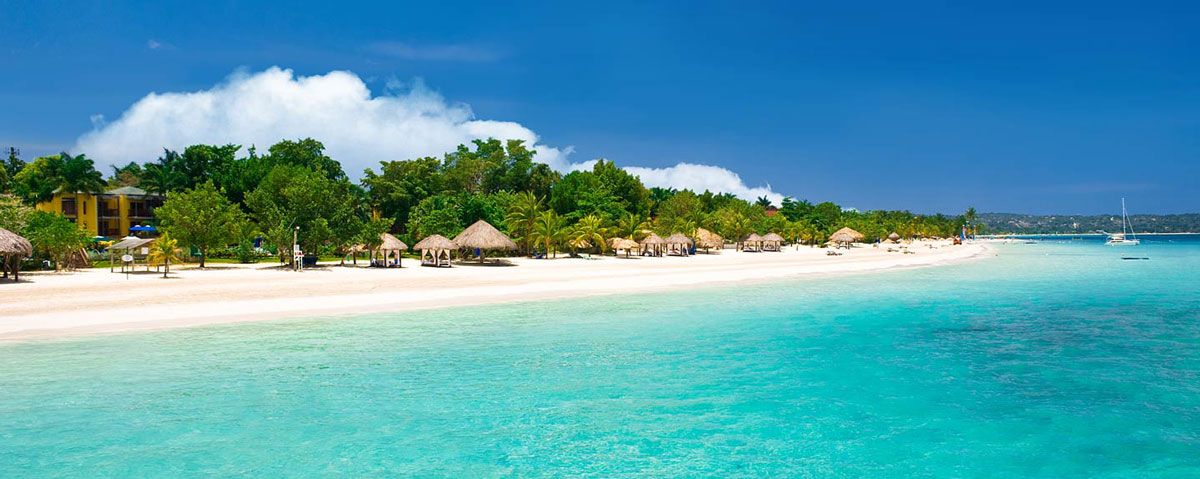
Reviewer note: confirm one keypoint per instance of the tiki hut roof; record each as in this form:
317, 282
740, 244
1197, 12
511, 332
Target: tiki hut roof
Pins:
622, 243
483, 235
11, 243
845, 235
653, 239
679, 238
753, 238
893, 236
390, 243
435, 242
131, 243
708, 239
772, 238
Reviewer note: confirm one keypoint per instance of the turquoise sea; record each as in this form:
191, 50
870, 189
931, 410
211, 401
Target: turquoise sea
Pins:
1055, 359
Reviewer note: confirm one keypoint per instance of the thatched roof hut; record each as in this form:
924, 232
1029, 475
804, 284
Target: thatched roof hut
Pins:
772, 241
623, 243
435, 250
893, 236
13, 244
12, 248
390, 243
389, 246
679, 243
483, 236
845, 236
653, 244
707, 239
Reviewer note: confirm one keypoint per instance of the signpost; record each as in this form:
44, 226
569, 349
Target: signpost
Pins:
127, 258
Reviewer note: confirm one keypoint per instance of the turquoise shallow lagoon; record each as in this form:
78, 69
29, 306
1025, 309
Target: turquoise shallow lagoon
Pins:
1050, 360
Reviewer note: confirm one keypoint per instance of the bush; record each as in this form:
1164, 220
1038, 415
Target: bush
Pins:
245, 253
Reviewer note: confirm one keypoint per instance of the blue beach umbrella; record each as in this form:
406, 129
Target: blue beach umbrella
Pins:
142, 228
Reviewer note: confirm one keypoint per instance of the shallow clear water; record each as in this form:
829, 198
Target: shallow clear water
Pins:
1048, 360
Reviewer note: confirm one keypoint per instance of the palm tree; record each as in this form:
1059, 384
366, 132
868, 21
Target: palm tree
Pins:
548, 231
763, 201
590, 229
632, 226
738, 226
162, 176
521, 217
78, 174
163, 251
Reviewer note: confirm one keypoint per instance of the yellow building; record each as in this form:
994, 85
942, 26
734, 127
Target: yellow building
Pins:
110, 213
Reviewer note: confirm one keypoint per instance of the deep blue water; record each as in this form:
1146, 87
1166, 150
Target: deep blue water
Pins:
1051, 360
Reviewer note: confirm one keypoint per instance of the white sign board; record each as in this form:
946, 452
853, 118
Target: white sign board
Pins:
296, 248
127, 258
145, 250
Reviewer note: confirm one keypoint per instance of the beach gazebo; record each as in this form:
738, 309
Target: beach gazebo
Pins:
678, 240
845, 236
653, 244
708, 240
623, 244
389, 246
752, 243
435, 250
895, 238
483, 237
12, 248
131, 245
772, 242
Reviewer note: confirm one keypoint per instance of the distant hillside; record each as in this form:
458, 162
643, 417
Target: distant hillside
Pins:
997, 223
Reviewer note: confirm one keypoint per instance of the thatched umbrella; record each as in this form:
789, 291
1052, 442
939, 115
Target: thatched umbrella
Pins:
12, 248
683, 242
128, 245
483, 236
435, 246
707, 239
773, 239
623, 243
895, 238
653, 243
389, 245
845, 236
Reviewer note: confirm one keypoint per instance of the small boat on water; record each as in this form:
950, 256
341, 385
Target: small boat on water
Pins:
1126, 237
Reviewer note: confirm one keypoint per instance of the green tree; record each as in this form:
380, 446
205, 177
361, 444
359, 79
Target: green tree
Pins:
77, 174
435, 215
163, 176
308, 153
293, 196
401, 185
680, 211
164, 250
521, 216
36, 182
13, 214
13, 164
56, 236
128, 175
633, 226
202, 217
549, 231
763, 202
590, 229
201, 163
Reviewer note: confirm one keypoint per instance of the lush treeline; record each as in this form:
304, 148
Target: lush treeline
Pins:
1005, 223
223, 195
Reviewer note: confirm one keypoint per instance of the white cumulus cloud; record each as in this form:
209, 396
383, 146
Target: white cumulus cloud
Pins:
703, 177
358, 129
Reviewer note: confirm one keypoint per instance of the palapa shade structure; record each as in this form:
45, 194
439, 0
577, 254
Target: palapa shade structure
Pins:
707, 239
772, 242
482, 236
894, 238
845, 236
623, 244
653, 244
433, 248
681, 242
752, 242
12, 248
389, 245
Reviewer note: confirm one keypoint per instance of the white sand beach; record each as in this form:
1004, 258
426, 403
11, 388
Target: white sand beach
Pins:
96, 301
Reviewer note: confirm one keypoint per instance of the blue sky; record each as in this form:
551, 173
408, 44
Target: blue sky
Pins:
928, 106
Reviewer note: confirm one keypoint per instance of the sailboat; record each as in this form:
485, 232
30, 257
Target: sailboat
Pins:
1126, 237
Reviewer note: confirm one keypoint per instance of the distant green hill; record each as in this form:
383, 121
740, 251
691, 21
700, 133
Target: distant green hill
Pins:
998, 223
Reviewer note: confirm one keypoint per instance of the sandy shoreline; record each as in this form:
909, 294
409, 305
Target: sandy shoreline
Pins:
98, 302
